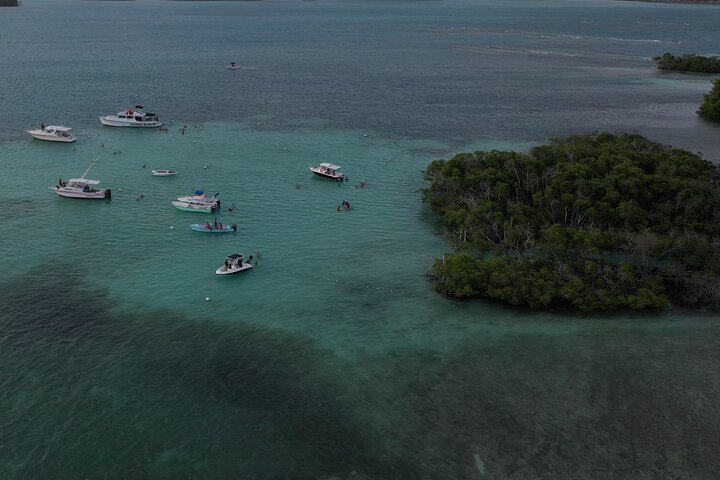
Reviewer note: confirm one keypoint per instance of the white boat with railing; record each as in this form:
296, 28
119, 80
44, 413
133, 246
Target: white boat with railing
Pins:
327, 170
233, 264
81, 187
53, 133
132, 117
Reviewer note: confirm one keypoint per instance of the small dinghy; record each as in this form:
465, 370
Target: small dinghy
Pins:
210, 228
232, 66
163, 173
234, 263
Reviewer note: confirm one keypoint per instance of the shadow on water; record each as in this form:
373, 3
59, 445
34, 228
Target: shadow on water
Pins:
90, 393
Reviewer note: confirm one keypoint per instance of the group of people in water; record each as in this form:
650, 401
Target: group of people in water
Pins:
215, 225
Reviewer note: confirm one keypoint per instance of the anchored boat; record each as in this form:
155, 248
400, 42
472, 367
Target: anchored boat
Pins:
234, 263
53, 133
132, 118
214, 228
81, 187
327, 170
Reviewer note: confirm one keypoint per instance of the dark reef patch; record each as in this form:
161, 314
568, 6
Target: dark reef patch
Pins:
91, 393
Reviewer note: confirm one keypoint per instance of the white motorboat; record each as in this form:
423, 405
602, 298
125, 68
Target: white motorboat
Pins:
233, 264
53, 133
163, 173
327, 170
232, 66
197, 203
195, 207
81, 187
132, 118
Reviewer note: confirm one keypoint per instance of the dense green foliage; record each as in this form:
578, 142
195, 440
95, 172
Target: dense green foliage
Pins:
688, 63
710, 108
595, 222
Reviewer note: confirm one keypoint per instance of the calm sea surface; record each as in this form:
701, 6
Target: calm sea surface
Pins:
333, 358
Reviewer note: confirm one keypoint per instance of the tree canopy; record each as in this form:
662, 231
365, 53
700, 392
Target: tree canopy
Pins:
688, 63
710, 108
596, 222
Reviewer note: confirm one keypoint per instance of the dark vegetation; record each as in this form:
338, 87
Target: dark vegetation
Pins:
688, 63
710, 108
595, 222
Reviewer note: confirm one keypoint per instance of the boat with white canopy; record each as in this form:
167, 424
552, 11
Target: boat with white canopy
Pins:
327, 170
81, 187
53, 133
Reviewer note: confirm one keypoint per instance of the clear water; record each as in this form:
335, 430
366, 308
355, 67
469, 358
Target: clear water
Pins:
333, 358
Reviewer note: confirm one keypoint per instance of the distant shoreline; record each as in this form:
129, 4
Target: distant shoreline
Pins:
703, 2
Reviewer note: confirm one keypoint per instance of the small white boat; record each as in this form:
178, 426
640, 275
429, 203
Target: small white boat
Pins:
163, 173
132, 118
53, 133
233, 264
232, 66
81, 187
327, 170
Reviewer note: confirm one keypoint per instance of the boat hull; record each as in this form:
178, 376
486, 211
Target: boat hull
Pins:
199, 227
97, 195
52, 137
223, 270
114, 121
337, 176
194, 207
163, 173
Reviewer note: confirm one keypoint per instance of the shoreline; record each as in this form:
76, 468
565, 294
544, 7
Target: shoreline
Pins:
697, 2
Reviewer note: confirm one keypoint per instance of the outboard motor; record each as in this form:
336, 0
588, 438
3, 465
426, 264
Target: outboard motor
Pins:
108, 193
234, 227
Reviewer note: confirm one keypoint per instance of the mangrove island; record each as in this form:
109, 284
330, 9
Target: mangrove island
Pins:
688, 63
591, 222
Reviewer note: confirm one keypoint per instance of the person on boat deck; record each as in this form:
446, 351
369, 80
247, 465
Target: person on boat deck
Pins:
42, 126
208, 226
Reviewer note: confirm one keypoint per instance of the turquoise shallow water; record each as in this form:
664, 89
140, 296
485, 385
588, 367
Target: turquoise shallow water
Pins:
333, 358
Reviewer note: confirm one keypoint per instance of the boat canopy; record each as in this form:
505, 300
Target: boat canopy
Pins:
58, 128
84, 181
235, 256
330, 166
